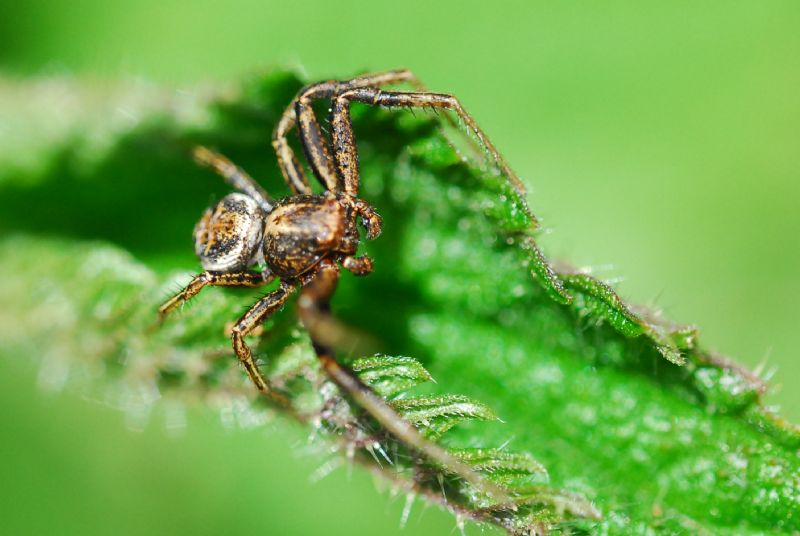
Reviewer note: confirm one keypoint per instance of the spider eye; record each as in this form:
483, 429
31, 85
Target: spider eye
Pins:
228, 236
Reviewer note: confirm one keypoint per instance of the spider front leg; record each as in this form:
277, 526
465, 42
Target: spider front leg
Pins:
345, 152
343, 130
314, 144
301, 113
290, 166
314, 311
404, 75
311, 133
253, 318
236, 279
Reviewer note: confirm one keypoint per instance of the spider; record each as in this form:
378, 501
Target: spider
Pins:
303, 239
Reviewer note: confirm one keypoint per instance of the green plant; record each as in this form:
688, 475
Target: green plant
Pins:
639, 428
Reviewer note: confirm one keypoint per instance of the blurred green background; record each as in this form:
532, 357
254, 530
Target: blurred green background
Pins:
660, 141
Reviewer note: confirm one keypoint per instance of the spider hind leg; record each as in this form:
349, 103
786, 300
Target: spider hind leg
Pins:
314, 311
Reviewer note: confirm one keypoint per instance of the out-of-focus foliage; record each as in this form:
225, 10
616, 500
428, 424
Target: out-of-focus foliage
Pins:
617, 405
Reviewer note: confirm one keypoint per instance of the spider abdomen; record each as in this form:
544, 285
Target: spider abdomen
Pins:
302, 230
228, 234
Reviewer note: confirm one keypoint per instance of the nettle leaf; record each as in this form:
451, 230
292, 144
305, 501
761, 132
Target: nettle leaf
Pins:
390, 376
503, 466
612, 420
435, 415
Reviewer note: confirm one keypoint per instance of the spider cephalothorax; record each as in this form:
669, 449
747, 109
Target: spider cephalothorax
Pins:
303, 239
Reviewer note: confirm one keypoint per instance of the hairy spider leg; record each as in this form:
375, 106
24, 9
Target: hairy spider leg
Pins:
413, 99
291, 168
214, 279
382, 78
234, 175
254, 317
385, 78
345, 153
344, 147
292, 171
314, 311
315, 145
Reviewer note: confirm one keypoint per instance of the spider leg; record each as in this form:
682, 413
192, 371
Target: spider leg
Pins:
254, 317
236, 279
290, 166
301, 114
234, 175
417, 99
314, 311
398, 76
382, 78
315, 145
344, 147
343, 138
291, 169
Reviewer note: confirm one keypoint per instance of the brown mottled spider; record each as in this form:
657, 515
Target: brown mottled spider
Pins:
304, 238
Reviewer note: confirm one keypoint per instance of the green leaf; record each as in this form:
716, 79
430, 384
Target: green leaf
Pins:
389, 376
435, 415
641, 430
